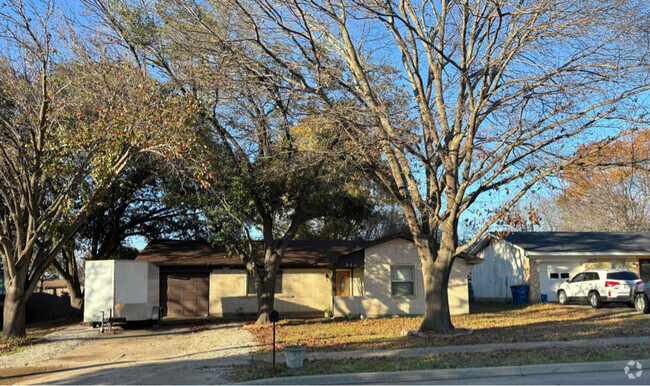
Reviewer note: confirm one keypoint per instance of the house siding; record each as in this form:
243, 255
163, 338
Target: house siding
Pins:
503, 266
304, 292
605, 263
377, 299
357, 281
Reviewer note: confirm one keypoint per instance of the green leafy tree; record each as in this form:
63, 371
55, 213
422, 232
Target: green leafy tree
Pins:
274, 162
71, 120
144, 202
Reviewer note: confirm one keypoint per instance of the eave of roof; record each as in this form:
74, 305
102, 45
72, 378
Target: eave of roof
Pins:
333, 258
300, 253
555, 244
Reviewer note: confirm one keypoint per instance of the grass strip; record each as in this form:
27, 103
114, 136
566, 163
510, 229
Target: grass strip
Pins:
261, 369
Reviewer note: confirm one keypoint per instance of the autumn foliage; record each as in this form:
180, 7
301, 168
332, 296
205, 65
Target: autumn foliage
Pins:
609, 191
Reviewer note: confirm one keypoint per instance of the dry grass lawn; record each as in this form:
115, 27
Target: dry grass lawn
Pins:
492, 323
260, 369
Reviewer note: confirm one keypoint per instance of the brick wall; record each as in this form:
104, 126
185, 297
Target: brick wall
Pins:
534, 290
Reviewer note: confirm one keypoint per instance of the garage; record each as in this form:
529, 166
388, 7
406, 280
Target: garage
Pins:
184, 294
551, 275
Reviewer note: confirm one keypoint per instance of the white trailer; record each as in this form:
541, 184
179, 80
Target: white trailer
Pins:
123, 290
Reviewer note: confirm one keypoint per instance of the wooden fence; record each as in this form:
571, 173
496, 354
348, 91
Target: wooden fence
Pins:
43, 307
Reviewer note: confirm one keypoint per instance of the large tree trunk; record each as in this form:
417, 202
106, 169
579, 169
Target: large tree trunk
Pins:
76, 297
264, 308
436, 268
436, 279
13, 324
266, 296
69, 272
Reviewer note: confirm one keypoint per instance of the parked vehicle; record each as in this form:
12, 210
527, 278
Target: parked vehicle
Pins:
598, 286
641, 296
121, 291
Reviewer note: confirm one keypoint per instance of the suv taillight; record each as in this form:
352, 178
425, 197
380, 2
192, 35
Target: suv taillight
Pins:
611, 283
639, 282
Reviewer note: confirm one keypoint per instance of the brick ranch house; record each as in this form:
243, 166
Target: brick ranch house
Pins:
544, 260
376, 278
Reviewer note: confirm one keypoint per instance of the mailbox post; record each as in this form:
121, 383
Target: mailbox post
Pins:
275, 317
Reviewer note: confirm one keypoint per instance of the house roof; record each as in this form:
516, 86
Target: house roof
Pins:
541, 243
52, 283
183, 252
299, 253
333, 257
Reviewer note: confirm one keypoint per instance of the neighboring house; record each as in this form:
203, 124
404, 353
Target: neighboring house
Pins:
56, 287
543, 260
382, 277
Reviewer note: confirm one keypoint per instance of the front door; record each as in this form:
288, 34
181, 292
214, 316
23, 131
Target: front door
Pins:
644, 270
342, 283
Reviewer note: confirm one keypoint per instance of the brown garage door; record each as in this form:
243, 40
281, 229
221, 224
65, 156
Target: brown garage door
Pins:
185, 295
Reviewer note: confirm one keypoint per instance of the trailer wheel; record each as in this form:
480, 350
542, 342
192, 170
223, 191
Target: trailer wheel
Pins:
156, 320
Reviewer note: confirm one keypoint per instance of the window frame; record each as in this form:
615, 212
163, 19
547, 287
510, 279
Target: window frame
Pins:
396, 267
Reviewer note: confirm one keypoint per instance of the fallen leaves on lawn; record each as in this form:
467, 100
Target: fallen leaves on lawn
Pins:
492, 323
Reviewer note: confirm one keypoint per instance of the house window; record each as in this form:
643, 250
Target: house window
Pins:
250, 284
618, 264
564, 275
555, 276
402, 281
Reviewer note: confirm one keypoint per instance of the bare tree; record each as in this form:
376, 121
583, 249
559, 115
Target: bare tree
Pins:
459, 102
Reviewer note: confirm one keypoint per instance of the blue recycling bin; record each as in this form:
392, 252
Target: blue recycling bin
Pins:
544, 298
519, 294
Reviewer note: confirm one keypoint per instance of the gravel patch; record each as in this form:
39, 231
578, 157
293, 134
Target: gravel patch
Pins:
226, 341
166, 355
53, 345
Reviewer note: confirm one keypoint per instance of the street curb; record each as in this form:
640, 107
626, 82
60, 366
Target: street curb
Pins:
448, 374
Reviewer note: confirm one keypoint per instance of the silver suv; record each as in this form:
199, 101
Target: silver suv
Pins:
598, 286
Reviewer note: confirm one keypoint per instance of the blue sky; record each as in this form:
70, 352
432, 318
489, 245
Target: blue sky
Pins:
74, 7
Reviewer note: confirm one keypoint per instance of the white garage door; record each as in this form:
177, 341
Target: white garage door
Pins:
551, 275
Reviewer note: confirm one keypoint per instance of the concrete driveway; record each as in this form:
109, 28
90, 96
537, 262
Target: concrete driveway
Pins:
166, 355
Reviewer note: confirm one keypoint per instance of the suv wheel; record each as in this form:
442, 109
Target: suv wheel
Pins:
594, 299
641, 303
562, 298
